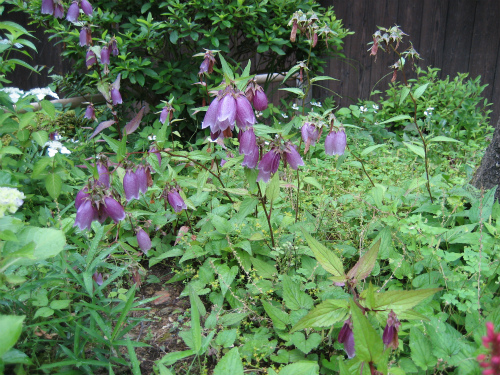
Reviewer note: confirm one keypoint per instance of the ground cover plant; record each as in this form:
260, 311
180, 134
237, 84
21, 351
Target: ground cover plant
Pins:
298, 238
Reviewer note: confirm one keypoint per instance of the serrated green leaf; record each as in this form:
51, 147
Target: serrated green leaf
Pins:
48, 108
301, 368
396, 118
26, 119
40, 166
367, 342
60, 304
327, 258
420, 90
325, 314
41, 137
404, 94
312, 181
230, 364
415, 149
273, 188
53, 184
279, 318
305, 345
225, 67
295, 299
44, 312
421, 349
400, 300
10, 150
370, 149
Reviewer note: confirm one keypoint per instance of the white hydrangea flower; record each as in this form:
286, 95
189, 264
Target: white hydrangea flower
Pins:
54, 147
41, 93
14, 93
10, 200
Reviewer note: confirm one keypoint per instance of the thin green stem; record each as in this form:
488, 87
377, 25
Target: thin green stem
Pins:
268, 216
362, 164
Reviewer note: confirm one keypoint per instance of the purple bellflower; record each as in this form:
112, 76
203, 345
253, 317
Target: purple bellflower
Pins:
390, 335
48, 7
104, 176
335, 143
114, 47
248, 142
310, 135
81, 197
90, 58
115, 91
252, 159
211, 116
85, 37
226, 113
142, 178
176, 201
86, 7
85, 214
346, 337
90, 112
97, 277
269, 165
58, 9
292, 156
105, 55
245, 116
114, 209
130, 185
207, 66
73, 12
260, 99
143, 240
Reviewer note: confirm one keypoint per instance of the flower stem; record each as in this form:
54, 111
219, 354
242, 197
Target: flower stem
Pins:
268, 216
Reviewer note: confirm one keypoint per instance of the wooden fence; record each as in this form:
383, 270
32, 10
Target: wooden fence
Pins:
453, 35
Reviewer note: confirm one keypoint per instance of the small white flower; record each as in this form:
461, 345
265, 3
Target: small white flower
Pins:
316, 104
258, 114
363, 109
152, 137
64, 150
284, 115
54, 147
375, 107
295, 107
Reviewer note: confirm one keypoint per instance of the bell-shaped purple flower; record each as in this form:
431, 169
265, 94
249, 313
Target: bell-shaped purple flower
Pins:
90, 112
268, 165
130, 185
58, 9
335, 143
143, 240
85, 37
114, 47
310, 133
164, 114
248, 142
105, 55
176, 201
226, 113
390, 335
211, 116
104, 176
346, 337
114, 209
260, 99
116, 97
102, 215
81, 197
86, 7
250, 160
48, 7
142, 178
90, 58
73, 12
85, 214
97, 277
292, 156
245, 116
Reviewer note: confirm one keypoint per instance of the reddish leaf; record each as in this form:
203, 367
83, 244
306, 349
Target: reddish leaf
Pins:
182, 231
103, 125
135, 122
365, 264
163, 296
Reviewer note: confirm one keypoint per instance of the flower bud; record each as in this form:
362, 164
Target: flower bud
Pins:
114, 47
104, 176
73, 12
176, 201
143, 240
90, 112
114, 209
97, 277
90, 58
335, 143
346, 337
86, 7
293, 34
115, 91
105, 55
390, 335
260, 100
130, 185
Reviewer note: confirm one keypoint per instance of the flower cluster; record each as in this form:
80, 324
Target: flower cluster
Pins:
54, 147
10, 200
490, 362
74, 10
136, 182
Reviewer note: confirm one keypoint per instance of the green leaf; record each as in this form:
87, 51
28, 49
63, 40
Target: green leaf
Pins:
60, 304
44, 312
367, 342
420, 90
264, 269
400, 300
173, 357
53, 184
273, 189
230, 364
326, 314
323, 78
279, 317
225, 68
11, 327
295, 299
222, 225
404, 94
48, 108
174, 36
136, 370
305, 345
14, 356
226, 276
290, 72
363, 267
112, 143
195, 321
48, 241
370, 149
295, 91
396, 118
122, 149
301, 368
415, 149
442, 138
41, 137
232, 319
26, 119
421, 349
10, 150
312, 181
328, 260
40, 166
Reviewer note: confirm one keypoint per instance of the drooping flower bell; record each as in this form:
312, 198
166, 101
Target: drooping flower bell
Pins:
260, 99
175, 200
269, 165
141, 174
207, 66
143, 240
167, 113
252, 159
116, 97
346, 337
90, 112
85, 214
114, 209
85, 37
292, 156
86, 7
58, 9
336, 142
73, 12
226, 113
48, 7
390, 335
248, 142
104, 175
90, 58
105, 55
310, 134
114, 47
97, 277
81, 197
245, 117
130, 185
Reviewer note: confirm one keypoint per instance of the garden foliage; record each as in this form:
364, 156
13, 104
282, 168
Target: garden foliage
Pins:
307, 238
